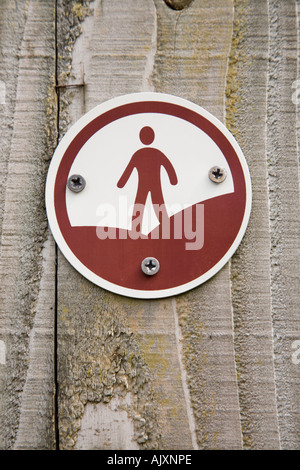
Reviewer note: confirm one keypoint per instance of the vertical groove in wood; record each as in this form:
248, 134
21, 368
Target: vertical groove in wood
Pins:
283, 179
12, 19
36, 424
250, 266
191, 62
24, 283
11, 33
155, 329
185, 384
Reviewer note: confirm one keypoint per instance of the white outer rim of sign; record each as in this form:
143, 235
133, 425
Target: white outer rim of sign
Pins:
50, 182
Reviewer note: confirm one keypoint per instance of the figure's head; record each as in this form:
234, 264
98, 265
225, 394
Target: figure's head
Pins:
147, 135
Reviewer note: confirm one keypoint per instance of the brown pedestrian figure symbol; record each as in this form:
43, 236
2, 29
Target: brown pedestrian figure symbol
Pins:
148, 162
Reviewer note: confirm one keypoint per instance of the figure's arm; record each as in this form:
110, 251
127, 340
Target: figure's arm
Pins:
125, 177
170, 170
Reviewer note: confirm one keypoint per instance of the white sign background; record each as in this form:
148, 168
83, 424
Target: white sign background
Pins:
102, 160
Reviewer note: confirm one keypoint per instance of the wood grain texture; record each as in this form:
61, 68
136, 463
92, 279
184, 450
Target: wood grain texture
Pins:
250, 267
27, 283
283, 168
211, 368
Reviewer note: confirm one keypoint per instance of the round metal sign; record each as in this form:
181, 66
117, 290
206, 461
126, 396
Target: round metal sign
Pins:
148, 195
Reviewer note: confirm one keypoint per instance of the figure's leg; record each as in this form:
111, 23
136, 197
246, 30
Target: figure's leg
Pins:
138, 210
159, 204
161, 213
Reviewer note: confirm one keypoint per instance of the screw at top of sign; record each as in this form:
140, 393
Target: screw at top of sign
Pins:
150, 266
217, 174
76, 183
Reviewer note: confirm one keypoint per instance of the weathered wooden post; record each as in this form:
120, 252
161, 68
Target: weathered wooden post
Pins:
216, 367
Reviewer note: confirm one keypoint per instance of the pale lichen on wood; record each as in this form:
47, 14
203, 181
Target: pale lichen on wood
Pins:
99, 360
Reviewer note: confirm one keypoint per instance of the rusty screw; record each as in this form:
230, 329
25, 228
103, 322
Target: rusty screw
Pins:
150, 266
217, 174
76, 183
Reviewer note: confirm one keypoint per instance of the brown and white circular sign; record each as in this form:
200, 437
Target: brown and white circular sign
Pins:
148, 195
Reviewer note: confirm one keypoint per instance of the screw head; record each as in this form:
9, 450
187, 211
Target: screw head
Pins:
76, 183
150, 266
217, 174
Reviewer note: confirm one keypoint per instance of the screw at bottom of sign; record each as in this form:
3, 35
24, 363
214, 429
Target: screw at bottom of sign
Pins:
150, 266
